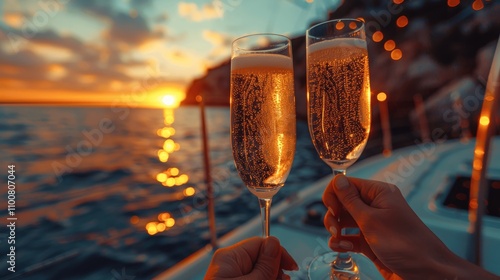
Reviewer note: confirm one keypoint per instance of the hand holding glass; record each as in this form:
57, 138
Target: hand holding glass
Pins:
338, 107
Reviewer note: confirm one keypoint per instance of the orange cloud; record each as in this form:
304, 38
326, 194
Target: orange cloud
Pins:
195, 13
217, 39
13, 19
221, 43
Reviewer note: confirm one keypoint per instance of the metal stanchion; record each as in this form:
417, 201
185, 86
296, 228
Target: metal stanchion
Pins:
208, 177
485, 131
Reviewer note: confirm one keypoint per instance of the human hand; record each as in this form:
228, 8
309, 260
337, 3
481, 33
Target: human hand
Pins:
254, 258
393, 237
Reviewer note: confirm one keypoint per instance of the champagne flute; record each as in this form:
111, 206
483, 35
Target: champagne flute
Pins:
262, 115
338, 109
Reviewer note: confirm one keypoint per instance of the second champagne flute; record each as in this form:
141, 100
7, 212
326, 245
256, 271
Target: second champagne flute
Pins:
263, 115
338, 109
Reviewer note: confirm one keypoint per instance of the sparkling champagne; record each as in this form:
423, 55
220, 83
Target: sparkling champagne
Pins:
262, 120
339, 99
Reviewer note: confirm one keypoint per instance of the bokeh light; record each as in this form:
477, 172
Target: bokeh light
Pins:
340, 25
389, 45
189, 191
377, 36
402, 21
396, 54
477, 5
453, 3
382, 96
484, 120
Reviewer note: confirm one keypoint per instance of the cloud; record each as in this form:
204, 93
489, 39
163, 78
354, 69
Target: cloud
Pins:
194, 13
126, 28
217, 39
221, 43
131, 31
50, 61
13, 19
85, 67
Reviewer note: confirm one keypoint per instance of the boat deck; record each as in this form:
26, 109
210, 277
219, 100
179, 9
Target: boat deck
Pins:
424, 173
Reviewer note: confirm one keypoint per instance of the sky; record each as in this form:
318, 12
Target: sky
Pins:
88, 51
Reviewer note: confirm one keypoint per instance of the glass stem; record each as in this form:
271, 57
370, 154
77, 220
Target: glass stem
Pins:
265, 214
338, 171
343, 262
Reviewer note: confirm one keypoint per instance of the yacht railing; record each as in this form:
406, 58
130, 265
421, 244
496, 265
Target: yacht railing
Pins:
485, 131
208, 177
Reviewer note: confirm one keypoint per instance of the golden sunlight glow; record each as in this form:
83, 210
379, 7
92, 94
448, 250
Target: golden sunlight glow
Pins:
389, 45
162, 155
169, 101
169, 96
189, 191
170, 182
168, 116
166, 132
184, 178
484, 120
453, 3
161, 177
56, 71
169, 146
174, 171
381, 96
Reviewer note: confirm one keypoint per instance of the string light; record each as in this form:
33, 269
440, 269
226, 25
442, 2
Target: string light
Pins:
396, 54
389, 45
378, 36
402, 21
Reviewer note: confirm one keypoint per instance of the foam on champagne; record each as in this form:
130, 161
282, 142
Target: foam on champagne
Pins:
261, 60
337, 42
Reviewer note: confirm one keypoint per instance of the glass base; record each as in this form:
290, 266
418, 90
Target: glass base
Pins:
321, 268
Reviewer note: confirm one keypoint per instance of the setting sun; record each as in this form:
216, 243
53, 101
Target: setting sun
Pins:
168, 97
169, 100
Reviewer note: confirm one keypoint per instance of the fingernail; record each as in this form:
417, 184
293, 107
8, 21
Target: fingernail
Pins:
271, 247
347, 245
331, 211
341, 182
333, 231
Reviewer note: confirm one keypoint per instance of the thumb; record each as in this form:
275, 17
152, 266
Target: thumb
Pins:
349, 196
268, 263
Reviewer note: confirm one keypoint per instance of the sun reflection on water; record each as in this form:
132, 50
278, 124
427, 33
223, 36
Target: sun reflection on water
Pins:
170, 177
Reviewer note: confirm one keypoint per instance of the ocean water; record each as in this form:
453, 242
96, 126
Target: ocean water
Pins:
105, 193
